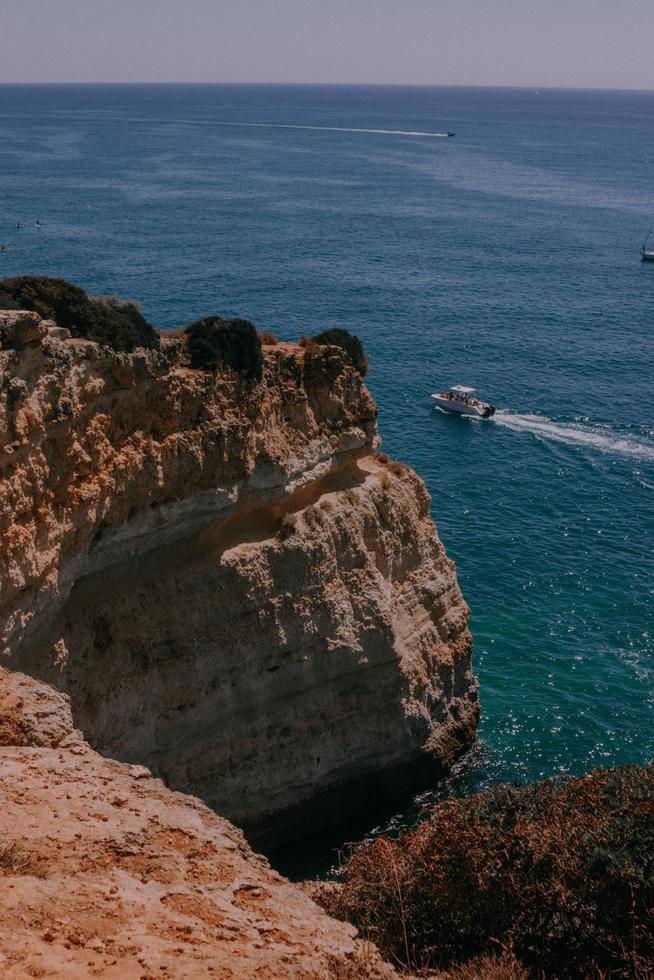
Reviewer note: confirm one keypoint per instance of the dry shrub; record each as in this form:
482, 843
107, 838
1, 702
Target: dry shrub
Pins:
175, 333
561, 872
365, 964
286, 527
504, 966
268, 338
337, 337
12, 860
313, 516
105, 319
348, 342
214, 341
397, 469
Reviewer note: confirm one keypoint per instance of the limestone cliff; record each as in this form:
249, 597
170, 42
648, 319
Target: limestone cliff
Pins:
230, 583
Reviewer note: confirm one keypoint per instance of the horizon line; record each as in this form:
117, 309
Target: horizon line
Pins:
450, 85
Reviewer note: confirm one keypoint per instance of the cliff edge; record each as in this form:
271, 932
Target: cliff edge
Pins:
233, 587
105, 872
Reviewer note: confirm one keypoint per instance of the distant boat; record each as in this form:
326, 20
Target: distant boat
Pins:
459, 399
449, 133
647, 254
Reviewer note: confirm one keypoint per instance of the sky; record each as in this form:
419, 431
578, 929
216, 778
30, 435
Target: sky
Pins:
570, 43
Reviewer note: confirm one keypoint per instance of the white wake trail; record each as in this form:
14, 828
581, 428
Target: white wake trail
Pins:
573, 434
335, 129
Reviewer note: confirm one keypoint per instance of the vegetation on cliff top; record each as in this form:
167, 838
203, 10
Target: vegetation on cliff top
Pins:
561, 874
214, 341
338, 337
210, 342
105, 319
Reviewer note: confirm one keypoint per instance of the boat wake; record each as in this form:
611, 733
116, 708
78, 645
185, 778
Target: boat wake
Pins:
575, 434
336, 129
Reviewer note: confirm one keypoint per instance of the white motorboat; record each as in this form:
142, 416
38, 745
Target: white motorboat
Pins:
460, 399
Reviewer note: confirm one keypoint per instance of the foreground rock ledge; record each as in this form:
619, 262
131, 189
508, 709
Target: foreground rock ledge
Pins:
232, 586
104, 872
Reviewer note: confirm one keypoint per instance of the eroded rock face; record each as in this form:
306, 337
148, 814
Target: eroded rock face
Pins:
21, 328
105, 872
232, 586
33, 714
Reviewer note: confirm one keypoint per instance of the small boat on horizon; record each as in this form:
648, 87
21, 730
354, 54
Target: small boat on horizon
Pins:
459, 399
450, 133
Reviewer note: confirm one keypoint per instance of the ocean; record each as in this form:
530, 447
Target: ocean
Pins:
506, 258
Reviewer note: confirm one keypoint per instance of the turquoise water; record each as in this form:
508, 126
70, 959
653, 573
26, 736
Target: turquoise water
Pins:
505, 258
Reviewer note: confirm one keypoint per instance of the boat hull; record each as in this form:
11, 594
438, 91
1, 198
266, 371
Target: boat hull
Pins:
647, 256
480, 411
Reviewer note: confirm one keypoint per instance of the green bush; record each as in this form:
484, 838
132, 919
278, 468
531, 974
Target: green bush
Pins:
560, 873
348, 342
214, 341
105, 319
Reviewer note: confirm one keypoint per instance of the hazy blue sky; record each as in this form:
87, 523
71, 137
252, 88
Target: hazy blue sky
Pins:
597, 43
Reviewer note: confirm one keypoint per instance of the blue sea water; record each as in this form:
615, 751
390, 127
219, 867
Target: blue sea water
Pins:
505, 258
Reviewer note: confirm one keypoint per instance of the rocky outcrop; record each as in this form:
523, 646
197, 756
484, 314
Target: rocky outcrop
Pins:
104, 872
21, 328
33, 714
230, 583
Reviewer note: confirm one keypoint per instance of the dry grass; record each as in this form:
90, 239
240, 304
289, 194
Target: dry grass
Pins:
562, 873
397, 469
504, 966
12, 860
178, 333
363, 963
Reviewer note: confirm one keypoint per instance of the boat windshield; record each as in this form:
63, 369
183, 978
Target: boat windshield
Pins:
456, 394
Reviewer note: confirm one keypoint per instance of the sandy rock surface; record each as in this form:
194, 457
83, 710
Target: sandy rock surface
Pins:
104, 872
